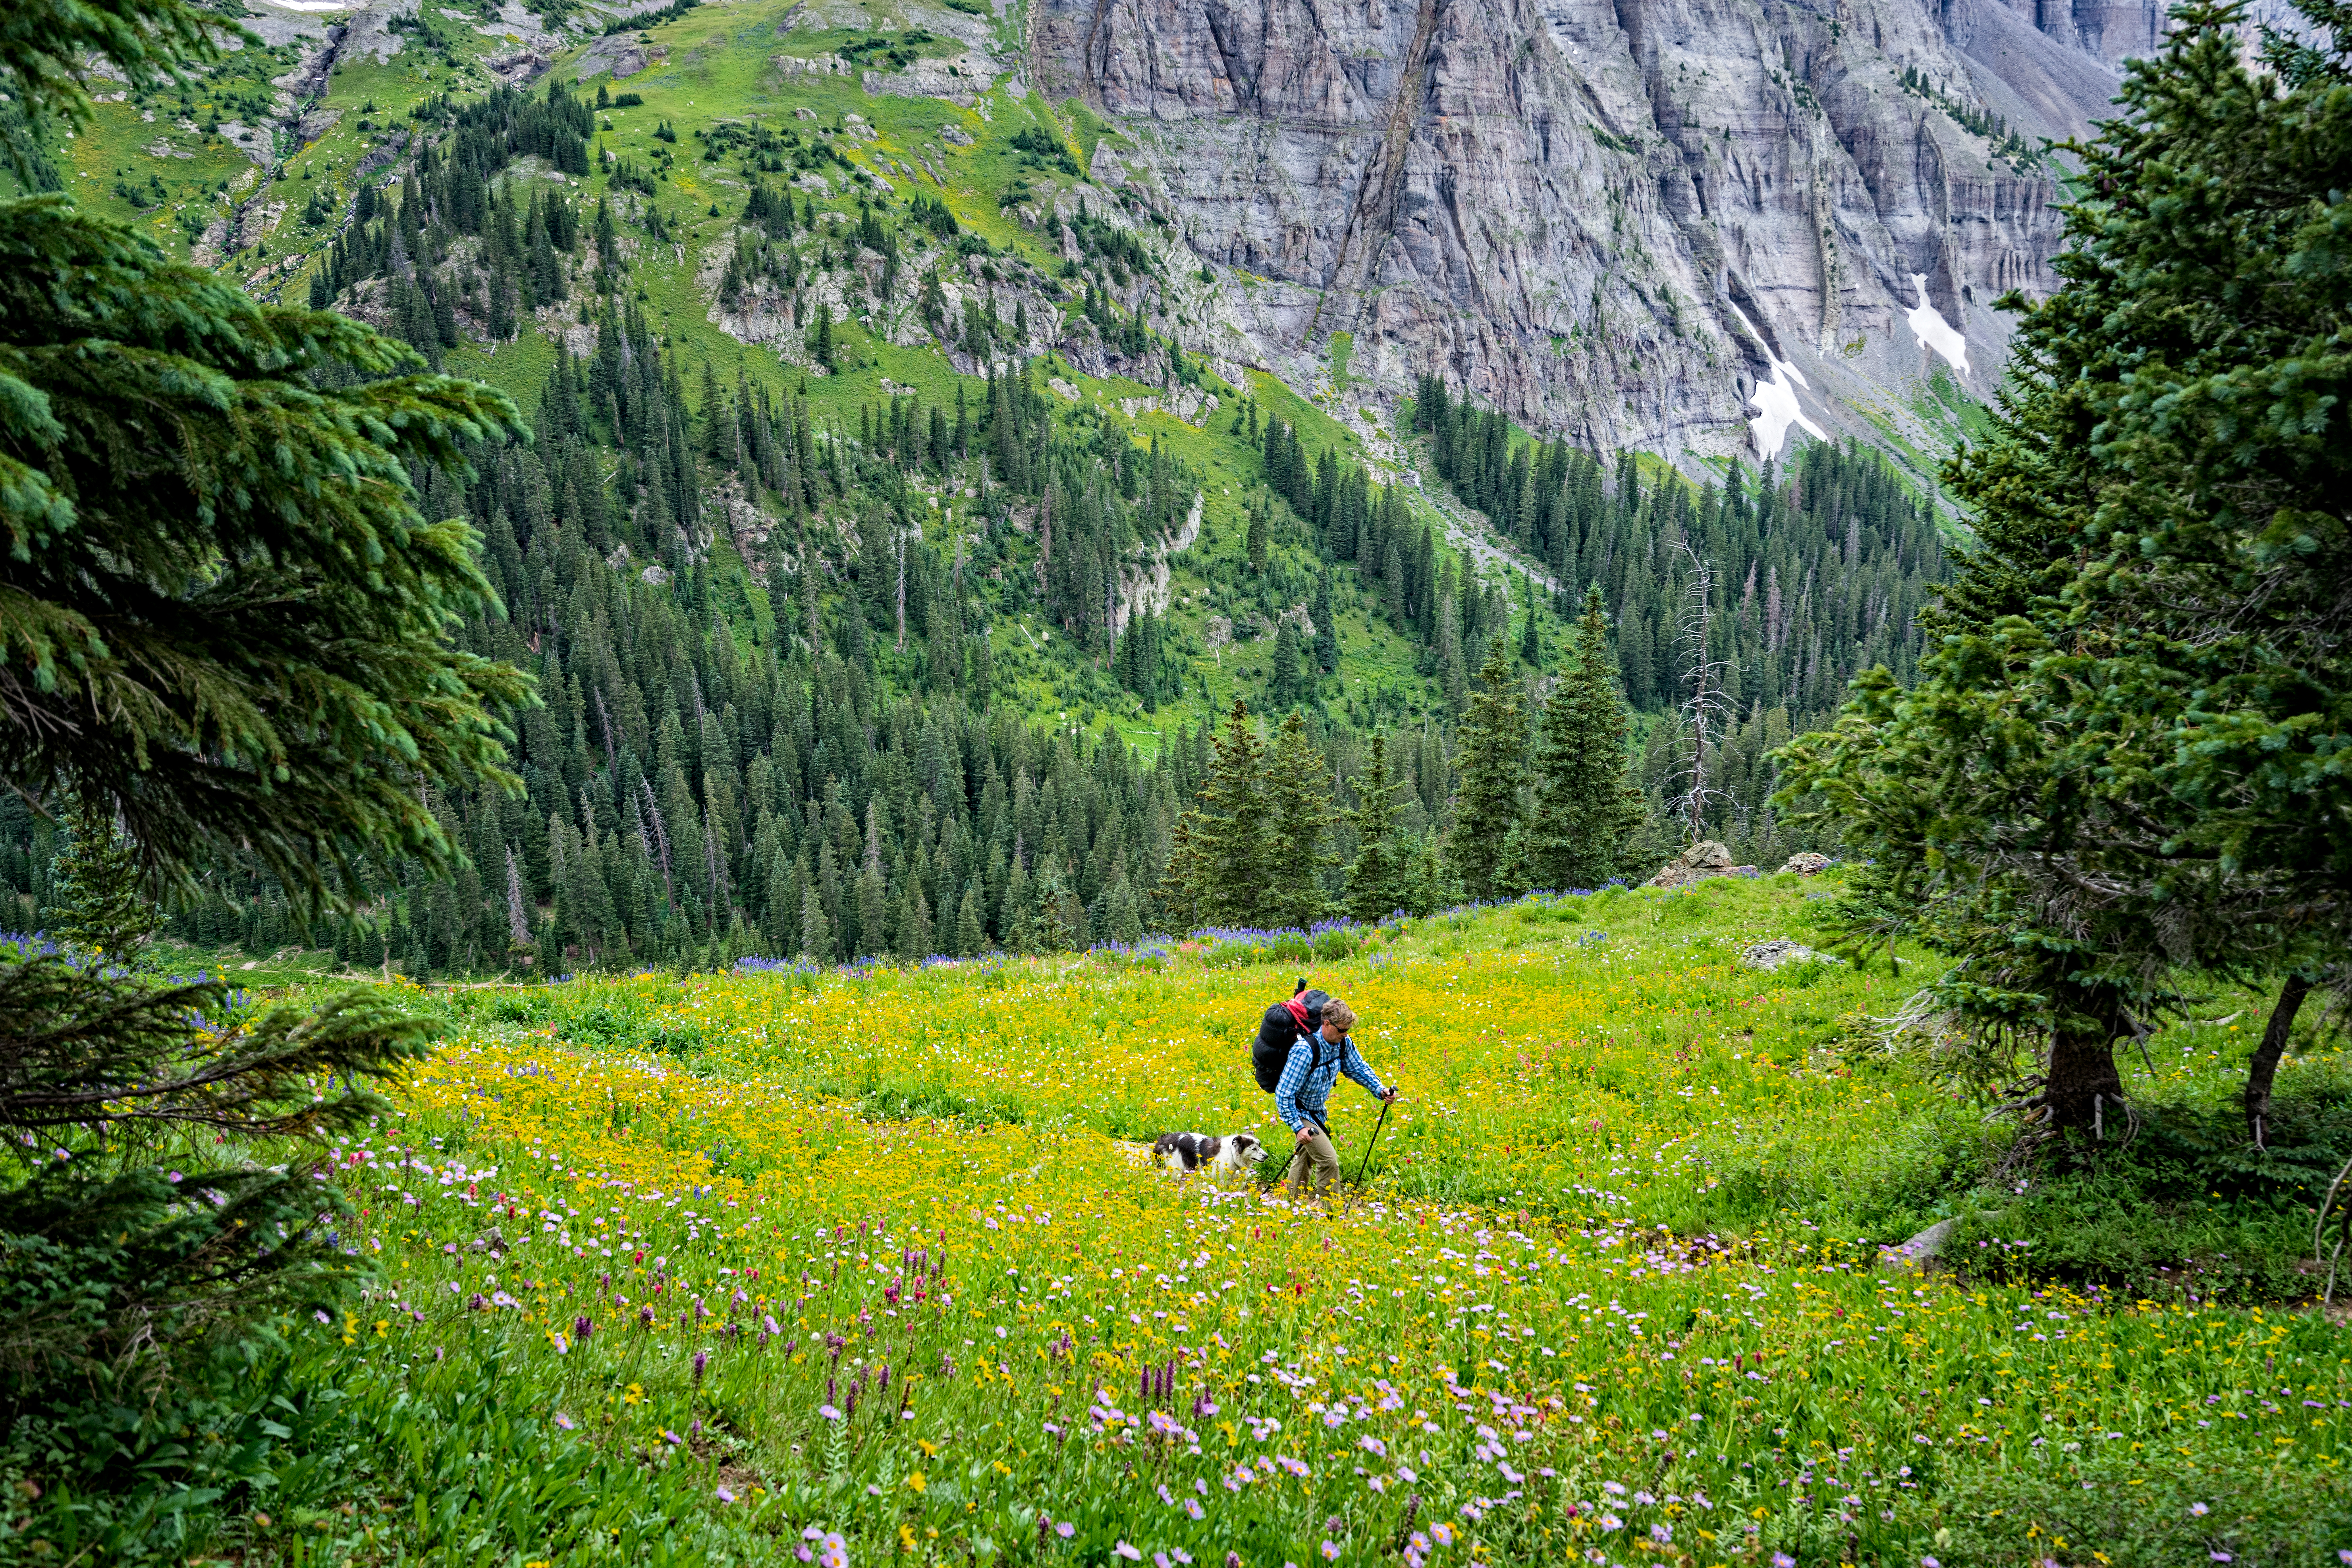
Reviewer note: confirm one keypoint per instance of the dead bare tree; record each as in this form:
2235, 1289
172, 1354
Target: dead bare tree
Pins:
901, 644
1707, 711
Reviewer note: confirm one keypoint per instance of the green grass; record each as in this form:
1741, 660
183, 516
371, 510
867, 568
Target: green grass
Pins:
291, 966
1626, 1208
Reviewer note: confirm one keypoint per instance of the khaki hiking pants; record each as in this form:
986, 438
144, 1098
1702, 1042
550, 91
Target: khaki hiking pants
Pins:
1316, 1163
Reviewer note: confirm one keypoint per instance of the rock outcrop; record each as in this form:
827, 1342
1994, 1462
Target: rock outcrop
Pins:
1779, 952
1924, 1252
1687, 227
1805, 863
1702, 860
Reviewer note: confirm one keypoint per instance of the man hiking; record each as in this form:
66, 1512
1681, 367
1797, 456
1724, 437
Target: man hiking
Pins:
1317, 1060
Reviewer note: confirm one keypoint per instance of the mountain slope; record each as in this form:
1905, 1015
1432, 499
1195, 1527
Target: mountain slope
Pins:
1617, 220
890, 465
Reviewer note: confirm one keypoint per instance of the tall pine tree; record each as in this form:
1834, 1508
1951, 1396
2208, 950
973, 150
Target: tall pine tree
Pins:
1298, 818
1586, 805
1486, 838
1379, 879
1229, 849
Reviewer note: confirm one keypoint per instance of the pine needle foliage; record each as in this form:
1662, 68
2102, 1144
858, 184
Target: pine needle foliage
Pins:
45, 47
2124, 763
1380, 878
225, 630
1484, 843
1299, 823
1586, 805
1226, 841
220, 609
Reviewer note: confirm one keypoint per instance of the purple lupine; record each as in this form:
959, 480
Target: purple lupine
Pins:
581, 1327
702, 1360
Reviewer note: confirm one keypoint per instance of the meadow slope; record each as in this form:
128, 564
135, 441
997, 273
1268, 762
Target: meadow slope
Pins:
847, 1267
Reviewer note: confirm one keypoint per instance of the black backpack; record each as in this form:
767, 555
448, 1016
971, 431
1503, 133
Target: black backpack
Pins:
1279, 1031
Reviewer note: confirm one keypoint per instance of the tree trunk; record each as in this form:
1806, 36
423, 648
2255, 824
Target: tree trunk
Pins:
2264, 1069
2084, 1090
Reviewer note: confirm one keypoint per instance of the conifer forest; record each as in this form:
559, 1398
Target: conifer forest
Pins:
794, 655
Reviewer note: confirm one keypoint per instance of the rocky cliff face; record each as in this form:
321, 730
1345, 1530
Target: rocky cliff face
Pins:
1685, 225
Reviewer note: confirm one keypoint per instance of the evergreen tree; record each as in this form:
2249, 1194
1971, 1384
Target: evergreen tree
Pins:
227, 635
1231, 869
102, 905
1585, 804
820, 336
969, 937
1327, 629
1379, 879
1180, 882
1484, 839
2115, 766
816, 941
1298, 820
1284, 682
1122, 914
188, 632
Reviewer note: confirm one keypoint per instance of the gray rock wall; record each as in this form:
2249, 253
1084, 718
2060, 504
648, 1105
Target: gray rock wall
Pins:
1615, 217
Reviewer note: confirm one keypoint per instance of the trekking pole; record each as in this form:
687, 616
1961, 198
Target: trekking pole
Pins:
1383, 1122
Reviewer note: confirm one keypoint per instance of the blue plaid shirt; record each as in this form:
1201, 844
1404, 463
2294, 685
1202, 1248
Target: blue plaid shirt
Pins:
1299, 1098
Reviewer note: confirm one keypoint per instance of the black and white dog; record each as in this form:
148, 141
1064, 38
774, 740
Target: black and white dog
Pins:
1184, 1153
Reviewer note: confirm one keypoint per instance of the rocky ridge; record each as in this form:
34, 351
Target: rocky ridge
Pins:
1683, 225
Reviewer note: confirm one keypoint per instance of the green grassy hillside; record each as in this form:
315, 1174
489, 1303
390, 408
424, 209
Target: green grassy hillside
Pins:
670, 1275
718, 69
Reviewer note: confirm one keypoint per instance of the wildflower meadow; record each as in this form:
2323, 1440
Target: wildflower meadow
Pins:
856, 1268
